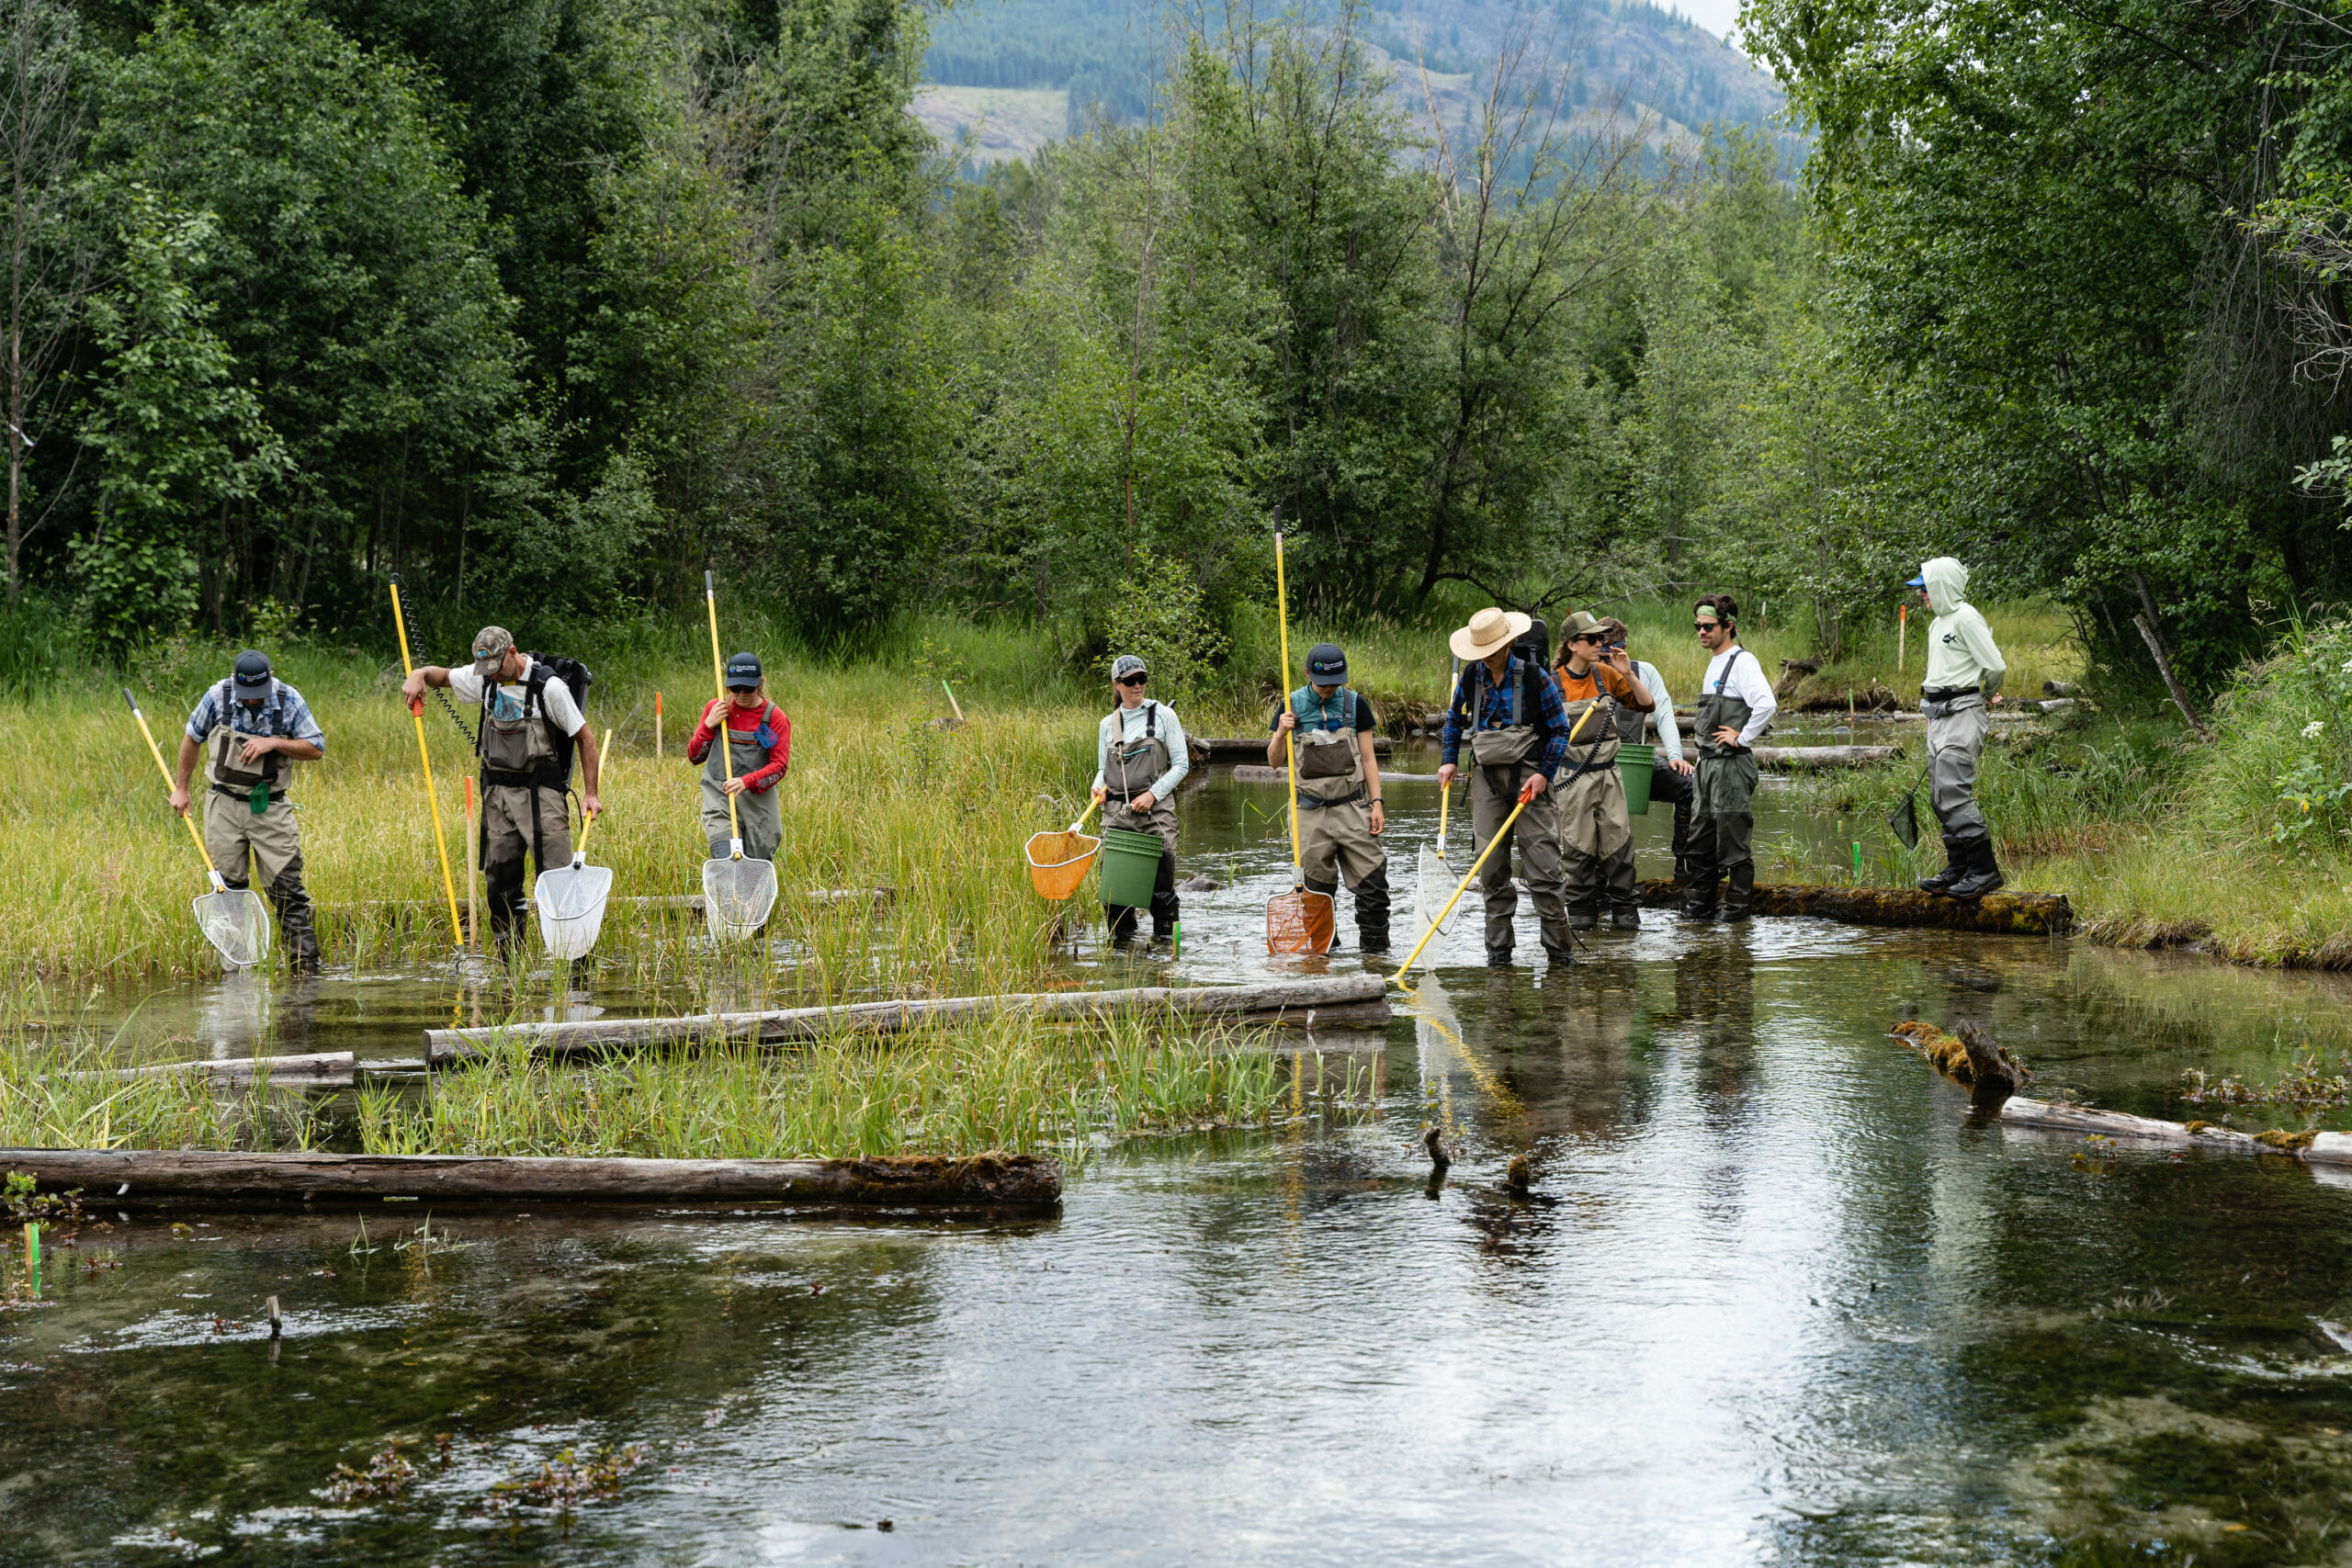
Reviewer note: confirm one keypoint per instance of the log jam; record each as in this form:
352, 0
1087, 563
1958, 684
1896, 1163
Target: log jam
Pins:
1356, 1000
902, 1181
2028, 914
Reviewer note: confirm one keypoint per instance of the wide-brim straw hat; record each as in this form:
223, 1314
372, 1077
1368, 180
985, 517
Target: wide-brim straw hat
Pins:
1490, 630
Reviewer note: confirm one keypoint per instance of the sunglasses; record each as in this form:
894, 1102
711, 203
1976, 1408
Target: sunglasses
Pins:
1704, 625
1134, 680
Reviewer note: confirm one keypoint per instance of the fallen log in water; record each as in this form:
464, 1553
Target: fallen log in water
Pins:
2030, 914
321, 1067
1259, 773
1360, 1000
903, 1181
2313, 1148
1806, 759
1229, 749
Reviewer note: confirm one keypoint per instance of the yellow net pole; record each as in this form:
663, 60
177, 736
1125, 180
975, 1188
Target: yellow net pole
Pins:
188, 816
1290, 744
726, 749
1502, 835
424, 760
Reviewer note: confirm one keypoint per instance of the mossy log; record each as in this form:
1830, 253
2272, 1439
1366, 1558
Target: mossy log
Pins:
2028, 914
1356, 1000
2312, 1147
1968, 1058
134, 1176
1244, 748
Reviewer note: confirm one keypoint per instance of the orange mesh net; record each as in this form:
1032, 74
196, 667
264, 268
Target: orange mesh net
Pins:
1060, 861
1300, 923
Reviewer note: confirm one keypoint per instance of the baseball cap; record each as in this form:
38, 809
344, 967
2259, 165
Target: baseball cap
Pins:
1919, 581
1326, 665
492, 645
1127, 664
743, 673
252, 672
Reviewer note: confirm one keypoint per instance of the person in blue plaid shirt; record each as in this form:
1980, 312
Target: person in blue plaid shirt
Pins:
250, 728
1510, 709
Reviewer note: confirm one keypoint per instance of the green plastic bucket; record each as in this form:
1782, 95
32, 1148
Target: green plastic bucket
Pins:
1130, 866
1633, 763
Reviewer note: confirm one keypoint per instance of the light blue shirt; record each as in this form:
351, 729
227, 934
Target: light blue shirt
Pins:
283, 712
1125, 725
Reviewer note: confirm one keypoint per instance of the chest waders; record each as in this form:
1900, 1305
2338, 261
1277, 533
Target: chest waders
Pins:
1596, 833
1330, 762
1507, 754
1501, 751
252, 840
1724, 825
517, 752
1131, 767
761, 815
1336, 841
257, 787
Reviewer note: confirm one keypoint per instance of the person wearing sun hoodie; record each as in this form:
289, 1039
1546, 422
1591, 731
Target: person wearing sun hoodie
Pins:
1964, 670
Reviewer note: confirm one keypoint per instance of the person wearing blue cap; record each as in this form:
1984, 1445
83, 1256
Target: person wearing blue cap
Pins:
1139, 760
759, 751
249, 728
1341, 815
1963, 676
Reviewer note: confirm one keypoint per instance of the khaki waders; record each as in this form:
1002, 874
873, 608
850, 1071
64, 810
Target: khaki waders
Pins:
1335, 838
1595, 831
1722, 830
1502, 759
266, 845
1129, 771
524, 811
760, 815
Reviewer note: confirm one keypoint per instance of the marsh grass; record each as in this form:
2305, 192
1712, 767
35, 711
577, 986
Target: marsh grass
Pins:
59, 1094
1010, 1084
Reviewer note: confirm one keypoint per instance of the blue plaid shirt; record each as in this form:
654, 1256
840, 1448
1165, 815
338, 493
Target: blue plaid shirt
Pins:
1550, 717
283, 712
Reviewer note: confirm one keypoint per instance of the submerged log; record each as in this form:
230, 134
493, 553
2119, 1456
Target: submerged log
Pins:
1258, 773
1243, 749
1282, 1003
2030, 914
906, 1182
1805, 758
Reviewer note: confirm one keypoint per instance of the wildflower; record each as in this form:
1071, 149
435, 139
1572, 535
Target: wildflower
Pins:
2311, 730
2345, 668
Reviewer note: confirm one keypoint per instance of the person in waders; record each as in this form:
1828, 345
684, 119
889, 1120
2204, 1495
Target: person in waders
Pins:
759, 748
1341, 815
1962, 679
1596, 829
1735, 707
531, 723
1510, 710
1670, 775
1139, 760
248, 728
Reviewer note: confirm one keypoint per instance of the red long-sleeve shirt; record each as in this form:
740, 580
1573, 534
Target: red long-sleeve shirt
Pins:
743, 721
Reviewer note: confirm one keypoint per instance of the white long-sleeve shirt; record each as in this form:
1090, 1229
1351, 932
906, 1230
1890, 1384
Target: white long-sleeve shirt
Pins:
1735, 672
1670, 734
1125, 725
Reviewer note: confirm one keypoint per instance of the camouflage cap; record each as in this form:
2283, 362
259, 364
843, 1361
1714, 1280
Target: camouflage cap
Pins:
492, 645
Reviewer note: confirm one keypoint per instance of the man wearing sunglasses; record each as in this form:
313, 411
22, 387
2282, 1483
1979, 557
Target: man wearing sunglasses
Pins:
1139, 760
1735, 707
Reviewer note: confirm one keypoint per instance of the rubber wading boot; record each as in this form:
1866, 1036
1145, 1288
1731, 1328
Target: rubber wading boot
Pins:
1626, 920
1984, 872
1560, 957
1498, 958
1583, 919
1955, 868
1740, 893
1700, 905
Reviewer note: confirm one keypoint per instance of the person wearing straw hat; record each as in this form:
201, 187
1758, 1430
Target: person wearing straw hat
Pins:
1595, 828
759, 736
1140, 759
248, 728
1340, 816
1735, 707
1670, 776
530, 723
1509, 708
1962, 679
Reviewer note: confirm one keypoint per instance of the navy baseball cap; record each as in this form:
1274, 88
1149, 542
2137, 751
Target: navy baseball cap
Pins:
252, 672
743, 673
1326, 665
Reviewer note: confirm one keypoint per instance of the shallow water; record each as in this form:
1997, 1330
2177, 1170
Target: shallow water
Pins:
1774, 1298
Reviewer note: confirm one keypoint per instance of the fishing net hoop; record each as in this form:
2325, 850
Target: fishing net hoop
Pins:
236, 922
738, 896
1057, 862
570, 905
1301, 921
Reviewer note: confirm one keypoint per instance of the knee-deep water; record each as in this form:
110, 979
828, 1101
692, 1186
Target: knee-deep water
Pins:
1774, 1297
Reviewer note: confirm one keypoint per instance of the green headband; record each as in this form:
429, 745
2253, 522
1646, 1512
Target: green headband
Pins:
1706, 613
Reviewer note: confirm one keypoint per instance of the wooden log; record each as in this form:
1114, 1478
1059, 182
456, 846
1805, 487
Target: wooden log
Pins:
1810, 758
316, 1067
905, 1181
1243, 749
2028, 914
2330, 1149
1276, 1002
1258, 773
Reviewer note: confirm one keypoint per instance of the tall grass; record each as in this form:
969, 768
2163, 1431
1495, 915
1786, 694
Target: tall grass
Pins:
1009, 1084
63, 1095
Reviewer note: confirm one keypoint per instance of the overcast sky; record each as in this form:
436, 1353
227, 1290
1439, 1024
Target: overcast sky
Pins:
1715, 15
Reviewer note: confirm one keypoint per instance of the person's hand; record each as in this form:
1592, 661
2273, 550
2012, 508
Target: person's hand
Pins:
734, 787
1680, 766
1143, 803
1379, 818
1101, 795
1445, 775
179, 799
256, 748
1285, 720
1533, 787
710, 711
413, 690
1727, 736
594, 803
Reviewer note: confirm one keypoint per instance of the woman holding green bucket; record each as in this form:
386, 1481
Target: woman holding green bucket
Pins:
1139, 760
1596, 833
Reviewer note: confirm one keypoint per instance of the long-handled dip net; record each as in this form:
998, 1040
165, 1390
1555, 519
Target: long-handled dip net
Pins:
233, 920
570, 900
1432, 877
1059, 861
1300, 920
737, 893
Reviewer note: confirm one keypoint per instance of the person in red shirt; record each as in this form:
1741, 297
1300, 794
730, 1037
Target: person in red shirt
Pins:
758, 745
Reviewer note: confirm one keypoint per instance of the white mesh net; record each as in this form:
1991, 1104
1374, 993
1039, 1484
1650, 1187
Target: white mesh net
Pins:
236, 922
737, 897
